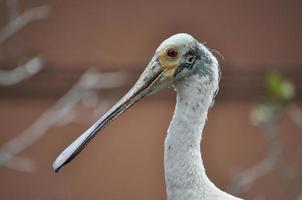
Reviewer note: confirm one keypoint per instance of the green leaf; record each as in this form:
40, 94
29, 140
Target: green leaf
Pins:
278, 88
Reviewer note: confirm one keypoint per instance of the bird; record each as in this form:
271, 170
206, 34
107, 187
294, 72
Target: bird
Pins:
189, 67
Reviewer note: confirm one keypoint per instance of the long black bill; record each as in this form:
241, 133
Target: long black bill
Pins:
152, 80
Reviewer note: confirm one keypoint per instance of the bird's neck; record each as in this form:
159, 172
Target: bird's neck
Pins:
184, 170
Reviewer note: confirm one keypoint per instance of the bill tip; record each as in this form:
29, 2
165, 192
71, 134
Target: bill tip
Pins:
56, 166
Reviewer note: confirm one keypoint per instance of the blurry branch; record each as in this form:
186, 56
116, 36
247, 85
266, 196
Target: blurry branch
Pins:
243, 181
22, 20
21, 164
16, 22
22, 72
267, 114
62, 111
286, 175
295, 114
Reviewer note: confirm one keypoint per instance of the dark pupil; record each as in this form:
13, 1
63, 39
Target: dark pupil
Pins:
172, 53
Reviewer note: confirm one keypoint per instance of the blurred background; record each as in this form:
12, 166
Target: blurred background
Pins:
64, 63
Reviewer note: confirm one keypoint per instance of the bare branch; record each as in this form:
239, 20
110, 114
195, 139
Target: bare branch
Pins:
273, 161
22, 164
22, 20
62, 109
295, 114
243, 181
18, 74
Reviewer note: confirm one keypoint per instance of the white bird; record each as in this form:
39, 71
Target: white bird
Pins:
190, 68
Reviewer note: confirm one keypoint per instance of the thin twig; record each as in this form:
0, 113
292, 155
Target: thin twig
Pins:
273, 161
295, 114
22, 20
22, 164
22, 72
244, 180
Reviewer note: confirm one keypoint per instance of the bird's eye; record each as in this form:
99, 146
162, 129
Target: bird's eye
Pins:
172, 53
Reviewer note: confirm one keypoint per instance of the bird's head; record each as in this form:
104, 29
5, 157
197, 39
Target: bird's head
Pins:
177, 58
177, 55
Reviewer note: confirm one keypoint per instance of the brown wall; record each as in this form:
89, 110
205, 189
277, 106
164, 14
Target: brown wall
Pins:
125, 162
248, 33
